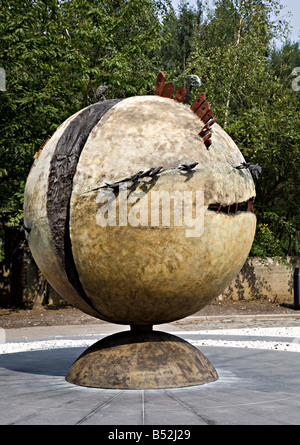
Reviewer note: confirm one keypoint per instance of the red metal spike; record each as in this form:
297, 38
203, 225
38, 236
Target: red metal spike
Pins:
208, 136
180, 94
208, 143
203, 109
212, 122
207, 116
168, 90
160, 82
204, 130
207, 126
198, 102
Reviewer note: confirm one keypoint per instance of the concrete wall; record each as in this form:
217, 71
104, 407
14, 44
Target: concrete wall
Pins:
265, 278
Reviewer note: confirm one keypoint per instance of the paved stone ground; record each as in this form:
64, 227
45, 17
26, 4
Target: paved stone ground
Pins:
255, 386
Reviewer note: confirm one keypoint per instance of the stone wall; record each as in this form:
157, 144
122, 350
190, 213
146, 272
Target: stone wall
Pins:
259, 279
267, 278
33, 290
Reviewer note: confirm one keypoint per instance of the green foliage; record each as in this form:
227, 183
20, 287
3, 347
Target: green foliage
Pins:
248, 81
268, 134
180, 31
57, 52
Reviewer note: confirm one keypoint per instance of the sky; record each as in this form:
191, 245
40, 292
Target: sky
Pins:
292, 6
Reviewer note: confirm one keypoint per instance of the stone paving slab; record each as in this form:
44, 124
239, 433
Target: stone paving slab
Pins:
255, 387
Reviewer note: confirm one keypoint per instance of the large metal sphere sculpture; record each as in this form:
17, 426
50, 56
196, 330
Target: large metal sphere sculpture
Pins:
88, 203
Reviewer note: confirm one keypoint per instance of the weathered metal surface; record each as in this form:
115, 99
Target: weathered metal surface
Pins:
146, 282
203, 109
207, 116
211, 122
207, 137
141, 360
255, 169
144, 274
180, 94
62, 169
160, 82
233, 208
205, 130
168, 90
207, 126
198, 102
208, 143
137, 285
250, 206
35, 218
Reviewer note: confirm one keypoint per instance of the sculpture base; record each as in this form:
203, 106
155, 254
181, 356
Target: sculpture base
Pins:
141, 359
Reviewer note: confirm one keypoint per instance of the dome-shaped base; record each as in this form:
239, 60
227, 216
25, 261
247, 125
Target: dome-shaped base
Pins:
141, 359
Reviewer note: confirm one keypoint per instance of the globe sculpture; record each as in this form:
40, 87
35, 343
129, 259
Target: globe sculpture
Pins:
139, 212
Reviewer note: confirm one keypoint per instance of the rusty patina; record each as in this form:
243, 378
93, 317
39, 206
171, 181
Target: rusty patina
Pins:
180, 94
141, 359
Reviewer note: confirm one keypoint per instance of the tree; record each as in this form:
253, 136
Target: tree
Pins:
33, 50
180, 31
231, 52
55, 54
249, 84
115, 42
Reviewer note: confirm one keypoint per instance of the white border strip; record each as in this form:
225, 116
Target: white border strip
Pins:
291, 345
2, 336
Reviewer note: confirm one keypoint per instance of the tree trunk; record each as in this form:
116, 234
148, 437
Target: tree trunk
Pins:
16, 263
97, 55
39, 300
237, 43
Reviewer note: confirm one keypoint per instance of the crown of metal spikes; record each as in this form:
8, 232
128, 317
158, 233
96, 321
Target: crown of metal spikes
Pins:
200, 107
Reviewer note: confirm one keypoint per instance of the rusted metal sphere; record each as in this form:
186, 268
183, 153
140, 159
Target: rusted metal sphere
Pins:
136, 213
124, 272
